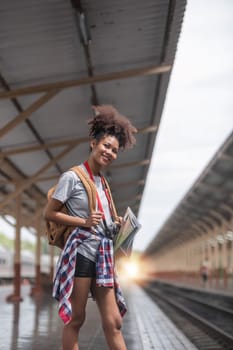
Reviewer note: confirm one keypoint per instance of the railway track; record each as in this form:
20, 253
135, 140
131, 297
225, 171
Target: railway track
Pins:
207, 320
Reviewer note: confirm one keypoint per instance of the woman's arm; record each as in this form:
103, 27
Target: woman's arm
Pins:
53, 212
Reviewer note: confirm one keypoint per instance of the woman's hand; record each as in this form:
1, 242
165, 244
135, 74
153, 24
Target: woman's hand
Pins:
120, 220
94, 219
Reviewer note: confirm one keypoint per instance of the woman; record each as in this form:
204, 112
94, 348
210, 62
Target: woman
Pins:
86, 263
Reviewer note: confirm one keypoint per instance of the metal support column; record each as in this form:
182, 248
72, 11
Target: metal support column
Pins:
16, 297
37, 287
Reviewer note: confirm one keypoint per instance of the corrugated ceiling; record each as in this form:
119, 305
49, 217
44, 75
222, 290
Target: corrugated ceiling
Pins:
51, 74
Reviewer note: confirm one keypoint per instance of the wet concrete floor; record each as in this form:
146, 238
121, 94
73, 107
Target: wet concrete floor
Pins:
34, 324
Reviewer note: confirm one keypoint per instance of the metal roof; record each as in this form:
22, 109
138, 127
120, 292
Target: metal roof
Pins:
57, 58
207, 205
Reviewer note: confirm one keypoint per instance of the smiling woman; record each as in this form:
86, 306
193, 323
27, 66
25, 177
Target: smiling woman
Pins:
87, 260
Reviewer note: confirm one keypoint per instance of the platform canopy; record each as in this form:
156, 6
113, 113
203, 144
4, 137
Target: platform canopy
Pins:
57, 59
207, 206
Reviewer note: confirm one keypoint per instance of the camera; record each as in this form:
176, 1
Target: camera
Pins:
112, 231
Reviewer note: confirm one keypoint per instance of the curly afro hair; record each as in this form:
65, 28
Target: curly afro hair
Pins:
108, 121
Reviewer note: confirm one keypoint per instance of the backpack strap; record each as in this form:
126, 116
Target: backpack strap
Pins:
91, 190
115, 216
89, 186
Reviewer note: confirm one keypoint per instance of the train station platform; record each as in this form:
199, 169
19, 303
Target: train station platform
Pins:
34, 324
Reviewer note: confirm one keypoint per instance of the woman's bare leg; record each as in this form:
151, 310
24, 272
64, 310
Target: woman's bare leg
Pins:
111, 318
78, 301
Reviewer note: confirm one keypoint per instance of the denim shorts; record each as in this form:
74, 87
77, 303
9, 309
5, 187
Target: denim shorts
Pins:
84, 267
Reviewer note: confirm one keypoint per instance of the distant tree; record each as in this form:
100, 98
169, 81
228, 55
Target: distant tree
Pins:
8, 243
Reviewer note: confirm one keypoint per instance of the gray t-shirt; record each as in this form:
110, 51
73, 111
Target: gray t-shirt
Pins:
72, 193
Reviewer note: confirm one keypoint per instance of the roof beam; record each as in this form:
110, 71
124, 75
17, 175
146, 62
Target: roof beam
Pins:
227, 208
87, 81
214, 218
198, 224
135, 198
130, 164
213, 188
218, 215
127, 184
206, 220
27, 112
65, 142
55, 176
201, 227
47, 145
33, 178
227, 156
147, 129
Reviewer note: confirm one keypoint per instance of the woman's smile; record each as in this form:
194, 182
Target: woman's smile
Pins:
105, 151
106, 158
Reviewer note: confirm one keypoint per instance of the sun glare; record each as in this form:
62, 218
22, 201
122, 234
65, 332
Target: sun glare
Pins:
131, 269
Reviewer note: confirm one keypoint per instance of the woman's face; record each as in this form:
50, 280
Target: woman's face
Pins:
105, 150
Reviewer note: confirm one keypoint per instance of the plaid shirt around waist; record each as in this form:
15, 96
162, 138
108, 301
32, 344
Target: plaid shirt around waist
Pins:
105, 274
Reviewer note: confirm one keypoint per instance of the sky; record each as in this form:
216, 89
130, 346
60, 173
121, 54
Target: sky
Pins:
197, 116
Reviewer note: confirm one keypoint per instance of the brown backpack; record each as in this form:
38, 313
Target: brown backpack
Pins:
56, 233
